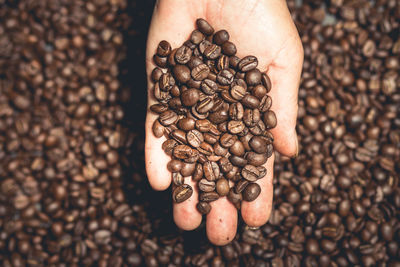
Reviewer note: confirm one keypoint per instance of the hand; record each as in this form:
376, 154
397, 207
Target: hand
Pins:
260, 28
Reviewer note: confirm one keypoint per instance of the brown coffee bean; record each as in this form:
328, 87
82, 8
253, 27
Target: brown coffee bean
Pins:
222, 63
158, 129
209, 87
174, 165
183, 54
253, 77
200, 72
177, 178
168, 146
211, 170
210, 138
198, 172
194, 138
163, 49
205, 105
269, 119
186, 124
204, 27
236, 111
229, 48
251, 192
160, 61
167, 118
227, 140
166, 82
158, 108
247, 63
237, 148
222, 187
225, 77
235, 127
190, 97
256, 159
238, 161
221, 37
179, 136
265, 104
182, 193
250, 101
259, 91
238, 92
203, 207
188, 169
196, 37
251, 117
250, 173
258, 144
181, 73
156, 74
235, 198
206, 186
183, 152
219, 150
208, 196
212, 51
219, 116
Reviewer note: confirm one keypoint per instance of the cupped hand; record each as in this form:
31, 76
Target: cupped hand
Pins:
260, 28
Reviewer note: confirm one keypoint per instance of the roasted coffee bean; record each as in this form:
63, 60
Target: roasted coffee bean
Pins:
204, 45
253, 77
238, 161
259, 129
188, 169
198, 172
221, 37
225, 165
196, 37
229, 48
174, 165
235, 198
181, 73
166, 82
168, 146
158, 129
190, 97
204, 27
163, 49
225, 77
247, 63
250, 173
203, 207
236, 111
219, 150
206, 186
212, 51
265, 80
156, 74
158, 108
208, 196
209, 87
241, 185
200, 72
259, 91
219, 116
256, 159
179, 136
205, 149
183, 152
160, 61
205, 105
183, 54
227, 140
211, 170
237, 148
258, 144
210, 138
168, 118
181, 193
251, 117
251, 192
235, 127
265, 104
222, 62
194, 62
177, 178
186, 124
222, 187
269, 119
250, 101
194, 138
171, 57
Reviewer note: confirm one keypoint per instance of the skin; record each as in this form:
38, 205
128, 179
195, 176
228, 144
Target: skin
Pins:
261, 28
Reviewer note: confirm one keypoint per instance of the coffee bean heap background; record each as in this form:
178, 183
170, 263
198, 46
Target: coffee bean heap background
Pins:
73, 190
215, 113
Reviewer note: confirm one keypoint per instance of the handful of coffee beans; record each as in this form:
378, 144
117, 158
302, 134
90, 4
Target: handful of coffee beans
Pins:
215, 113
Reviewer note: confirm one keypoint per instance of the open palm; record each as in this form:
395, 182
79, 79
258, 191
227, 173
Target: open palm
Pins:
260, 28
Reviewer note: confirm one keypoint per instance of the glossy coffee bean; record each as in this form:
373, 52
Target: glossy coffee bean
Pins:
221, 37
182, 193
183, 54
253, 77
229, 48
251, 192
258, 144
186, 124
206, 186
269, 119
204, 27
250, 173
163, 49
208, 196
174, 165
248, 63
194, 138
211, 170
222, 187
181, 73
203, 207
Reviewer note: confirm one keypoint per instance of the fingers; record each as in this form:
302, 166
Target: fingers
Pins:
186, 215
221, 222
257, 212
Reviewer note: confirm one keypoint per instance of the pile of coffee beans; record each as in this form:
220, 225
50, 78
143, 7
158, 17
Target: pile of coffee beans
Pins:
73, 189
215, 113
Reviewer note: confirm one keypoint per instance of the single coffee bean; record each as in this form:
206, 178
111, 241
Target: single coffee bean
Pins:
245, 141
220, 150
197, 114
238, 161
212, 51
175, 91
183, 152
168, 146
204, 45
250, 101
265, 80
225, 165
259, 129
236, 111
203, 207
222, 63
251, 192
251, 117
227, 140
269, 119
235, 127
211, 170
158, 129
194, 138
156, 74
218, 116
265, 104
158, 108
208, 196
194, 62
206, 186
166, 82
188, 169
209, 87
196, 37
256, 159
160, 61
190, 97
253, 77
198, 172
182, 193
250, 173
210, 138
259, 91
168, 117
200, 72
241, 185
234, 61
205, 105
206, 149
181, 73
204, 27
163, 49
186, 124
229, 48
258, 144
177, 178
174, 165
222, 187
238, 92
179, 136
183, 54
225, 77
221, 37
175, 104
247, 63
